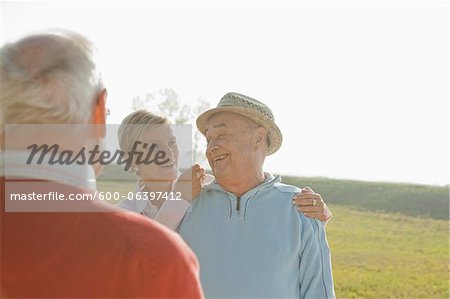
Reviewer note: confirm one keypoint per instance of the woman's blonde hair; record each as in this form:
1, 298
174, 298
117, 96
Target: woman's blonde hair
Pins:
132, 127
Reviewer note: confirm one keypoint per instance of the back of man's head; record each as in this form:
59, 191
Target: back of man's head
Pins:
48, 78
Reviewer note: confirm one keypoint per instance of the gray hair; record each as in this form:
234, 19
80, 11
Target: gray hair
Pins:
48, 78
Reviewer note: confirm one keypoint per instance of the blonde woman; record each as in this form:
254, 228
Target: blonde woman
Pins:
161, 193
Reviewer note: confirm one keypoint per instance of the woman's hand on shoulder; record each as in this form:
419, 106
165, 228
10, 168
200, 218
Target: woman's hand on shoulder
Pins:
312, 205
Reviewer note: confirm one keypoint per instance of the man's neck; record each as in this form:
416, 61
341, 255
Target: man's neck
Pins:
239, 184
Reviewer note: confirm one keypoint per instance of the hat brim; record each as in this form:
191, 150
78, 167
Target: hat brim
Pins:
273, 132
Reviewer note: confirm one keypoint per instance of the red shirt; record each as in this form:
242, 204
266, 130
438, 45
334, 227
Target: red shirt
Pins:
92, 254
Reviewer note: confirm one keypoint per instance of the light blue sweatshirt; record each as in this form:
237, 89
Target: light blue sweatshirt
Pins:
258, 245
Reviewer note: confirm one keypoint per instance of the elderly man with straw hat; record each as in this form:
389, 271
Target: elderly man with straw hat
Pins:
249, 239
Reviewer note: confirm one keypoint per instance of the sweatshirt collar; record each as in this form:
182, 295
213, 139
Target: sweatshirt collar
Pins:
269, 181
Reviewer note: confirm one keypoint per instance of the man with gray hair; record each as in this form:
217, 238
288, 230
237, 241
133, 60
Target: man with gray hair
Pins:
248, 238
52, 79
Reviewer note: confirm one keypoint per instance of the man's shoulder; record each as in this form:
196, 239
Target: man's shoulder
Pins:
285, 188
286, 193
143, 234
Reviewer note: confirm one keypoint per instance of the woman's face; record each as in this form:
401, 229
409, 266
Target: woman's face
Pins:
164, 140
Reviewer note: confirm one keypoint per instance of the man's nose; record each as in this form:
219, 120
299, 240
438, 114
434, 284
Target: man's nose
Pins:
212, 147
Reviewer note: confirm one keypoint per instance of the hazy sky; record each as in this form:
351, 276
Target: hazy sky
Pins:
359, 89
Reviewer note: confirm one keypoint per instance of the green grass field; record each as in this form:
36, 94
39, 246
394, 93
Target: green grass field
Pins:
378, 255
387, 240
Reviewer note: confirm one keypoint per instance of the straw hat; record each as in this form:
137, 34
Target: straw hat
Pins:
249, 108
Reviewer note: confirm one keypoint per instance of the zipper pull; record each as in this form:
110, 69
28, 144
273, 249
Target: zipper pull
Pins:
238, 204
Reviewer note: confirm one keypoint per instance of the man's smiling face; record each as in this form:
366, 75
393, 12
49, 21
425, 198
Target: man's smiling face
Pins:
230, 145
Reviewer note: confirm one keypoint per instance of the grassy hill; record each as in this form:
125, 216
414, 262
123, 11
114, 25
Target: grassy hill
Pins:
407, 199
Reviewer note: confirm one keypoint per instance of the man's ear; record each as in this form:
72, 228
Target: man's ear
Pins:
99, 113
260, 137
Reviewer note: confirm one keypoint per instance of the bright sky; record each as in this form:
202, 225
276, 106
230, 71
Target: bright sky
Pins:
359, 89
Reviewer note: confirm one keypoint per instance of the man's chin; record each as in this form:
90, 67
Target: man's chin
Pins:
218, 172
